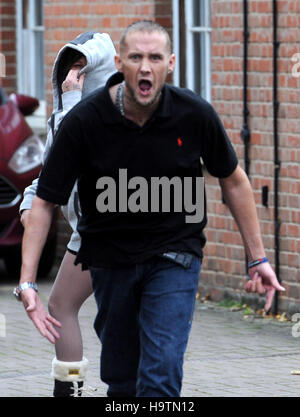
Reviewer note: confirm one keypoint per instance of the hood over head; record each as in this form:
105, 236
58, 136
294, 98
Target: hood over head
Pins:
99, 51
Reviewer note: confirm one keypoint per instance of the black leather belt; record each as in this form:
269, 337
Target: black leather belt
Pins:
183, 259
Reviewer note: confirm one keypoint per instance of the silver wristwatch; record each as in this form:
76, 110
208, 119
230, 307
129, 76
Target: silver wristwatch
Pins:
22, 287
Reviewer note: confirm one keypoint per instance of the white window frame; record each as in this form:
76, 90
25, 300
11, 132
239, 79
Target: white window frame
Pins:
191, 30
37, 121
176, 42
25, 42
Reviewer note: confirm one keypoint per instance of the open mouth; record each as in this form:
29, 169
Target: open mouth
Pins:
145, 87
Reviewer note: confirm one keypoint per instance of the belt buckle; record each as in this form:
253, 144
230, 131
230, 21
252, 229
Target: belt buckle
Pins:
183, 259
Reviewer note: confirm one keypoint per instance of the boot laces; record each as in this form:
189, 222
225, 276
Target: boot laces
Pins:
87, 389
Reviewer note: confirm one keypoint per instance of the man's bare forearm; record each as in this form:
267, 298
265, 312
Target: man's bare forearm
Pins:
239, 197
34, 238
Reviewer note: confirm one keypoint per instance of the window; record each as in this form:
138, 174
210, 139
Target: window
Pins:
30, 31
2, 65
191, 39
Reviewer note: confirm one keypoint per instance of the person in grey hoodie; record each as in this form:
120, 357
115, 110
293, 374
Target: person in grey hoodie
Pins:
80, 67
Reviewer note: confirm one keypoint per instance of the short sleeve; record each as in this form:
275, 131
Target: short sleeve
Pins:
218, 154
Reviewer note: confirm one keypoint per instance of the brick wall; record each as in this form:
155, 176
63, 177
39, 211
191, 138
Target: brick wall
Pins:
8, 44
224, 266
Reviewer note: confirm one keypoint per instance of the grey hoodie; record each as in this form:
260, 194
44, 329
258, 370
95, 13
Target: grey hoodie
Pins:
99, 51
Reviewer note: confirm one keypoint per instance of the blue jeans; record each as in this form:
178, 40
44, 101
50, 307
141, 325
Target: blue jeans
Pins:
143, 322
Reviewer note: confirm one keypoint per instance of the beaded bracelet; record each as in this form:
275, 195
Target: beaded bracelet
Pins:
251, 264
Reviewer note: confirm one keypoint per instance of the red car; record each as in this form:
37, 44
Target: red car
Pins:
20, 163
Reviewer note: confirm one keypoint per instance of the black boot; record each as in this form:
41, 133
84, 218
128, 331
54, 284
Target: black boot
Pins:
67, 389
68, 377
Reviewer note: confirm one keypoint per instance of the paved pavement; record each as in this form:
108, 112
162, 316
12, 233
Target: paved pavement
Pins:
227, 355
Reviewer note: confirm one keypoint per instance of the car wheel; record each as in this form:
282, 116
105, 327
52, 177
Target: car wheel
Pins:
13, 259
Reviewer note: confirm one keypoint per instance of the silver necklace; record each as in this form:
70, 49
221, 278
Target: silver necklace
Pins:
119, 98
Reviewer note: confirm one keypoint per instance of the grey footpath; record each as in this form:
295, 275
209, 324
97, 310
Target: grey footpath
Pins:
227, 355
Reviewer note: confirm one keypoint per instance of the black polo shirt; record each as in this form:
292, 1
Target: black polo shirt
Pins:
94, 141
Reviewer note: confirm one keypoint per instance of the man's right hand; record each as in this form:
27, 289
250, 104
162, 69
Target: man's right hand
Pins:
72, 82
42, 320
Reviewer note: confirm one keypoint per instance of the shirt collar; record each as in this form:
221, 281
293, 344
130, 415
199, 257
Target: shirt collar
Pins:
111, 114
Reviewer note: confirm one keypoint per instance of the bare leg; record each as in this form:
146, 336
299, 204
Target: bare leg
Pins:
71, 288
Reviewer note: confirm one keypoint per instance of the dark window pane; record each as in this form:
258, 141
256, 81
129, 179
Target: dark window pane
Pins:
39, 15
198, 13
39, 78
25, 11
199, 63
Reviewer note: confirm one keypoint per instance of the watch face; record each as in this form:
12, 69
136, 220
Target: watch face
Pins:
23, 287
16, 293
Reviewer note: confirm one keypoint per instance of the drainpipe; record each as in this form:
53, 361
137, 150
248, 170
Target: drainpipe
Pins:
277, 222
245, 132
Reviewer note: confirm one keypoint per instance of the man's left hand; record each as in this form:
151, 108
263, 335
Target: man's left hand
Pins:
263, 280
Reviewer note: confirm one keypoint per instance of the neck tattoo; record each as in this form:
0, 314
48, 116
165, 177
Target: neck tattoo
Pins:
119, 98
